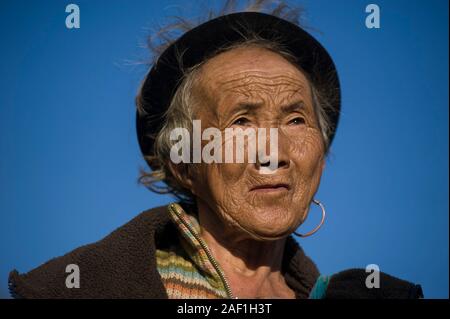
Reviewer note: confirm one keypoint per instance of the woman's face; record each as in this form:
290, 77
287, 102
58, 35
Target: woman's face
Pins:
255, 88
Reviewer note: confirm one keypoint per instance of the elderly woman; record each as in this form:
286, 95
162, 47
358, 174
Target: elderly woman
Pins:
229, 235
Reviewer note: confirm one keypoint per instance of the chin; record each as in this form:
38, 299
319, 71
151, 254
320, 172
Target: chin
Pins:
271, 235
270, 229
273, 217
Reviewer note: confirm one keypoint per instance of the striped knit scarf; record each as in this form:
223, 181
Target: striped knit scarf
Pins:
184, 267
187, 272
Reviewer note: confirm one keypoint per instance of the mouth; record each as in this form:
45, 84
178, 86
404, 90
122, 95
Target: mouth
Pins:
270, 188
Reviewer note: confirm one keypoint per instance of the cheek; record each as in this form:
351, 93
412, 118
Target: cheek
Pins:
218, 182
307, 151
222, 183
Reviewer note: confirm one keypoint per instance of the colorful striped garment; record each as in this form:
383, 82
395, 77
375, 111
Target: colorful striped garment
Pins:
185, 269
188, 273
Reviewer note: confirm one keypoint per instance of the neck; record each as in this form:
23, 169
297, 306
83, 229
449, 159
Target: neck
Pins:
252, 267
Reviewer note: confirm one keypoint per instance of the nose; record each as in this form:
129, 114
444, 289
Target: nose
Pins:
266, 156
282, 163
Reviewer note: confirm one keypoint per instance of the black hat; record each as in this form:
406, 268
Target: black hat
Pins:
200, 42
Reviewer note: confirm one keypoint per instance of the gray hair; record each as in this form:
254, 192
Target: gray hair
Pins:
180, 112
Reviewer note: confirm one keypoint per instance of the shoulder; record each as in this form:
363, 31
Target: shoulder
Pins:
107, 268
359, 284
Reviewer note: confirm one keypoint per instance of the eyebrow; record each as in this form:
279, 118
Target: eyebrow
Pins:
293, 107
252, 108
246, 107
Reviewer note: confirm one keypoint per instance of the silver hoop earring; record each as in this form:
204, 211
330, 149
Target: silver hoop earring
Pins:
315, 201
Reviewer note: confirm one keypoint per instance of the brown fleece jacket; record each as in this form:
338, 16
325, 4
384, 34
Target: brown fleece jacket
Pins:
123, 265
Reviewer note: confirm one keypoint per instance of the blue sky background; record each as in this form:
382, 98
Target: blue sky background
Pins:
69, 158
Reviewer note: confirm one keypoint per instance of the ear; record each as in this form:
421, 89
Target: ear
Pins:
182, 173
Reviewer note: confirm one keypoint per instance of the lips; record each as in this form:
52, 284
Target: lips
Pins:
268, 188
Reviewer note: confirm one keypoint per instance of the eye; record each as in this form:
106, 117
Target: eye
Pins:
241, 121
297, 121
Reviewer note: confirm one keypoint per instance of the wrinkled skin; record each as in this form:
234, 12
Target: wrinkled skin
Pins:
246, 227
258, 76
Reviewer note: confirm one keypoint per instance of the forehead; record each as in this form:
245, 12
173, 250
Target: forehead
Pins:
251, 70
